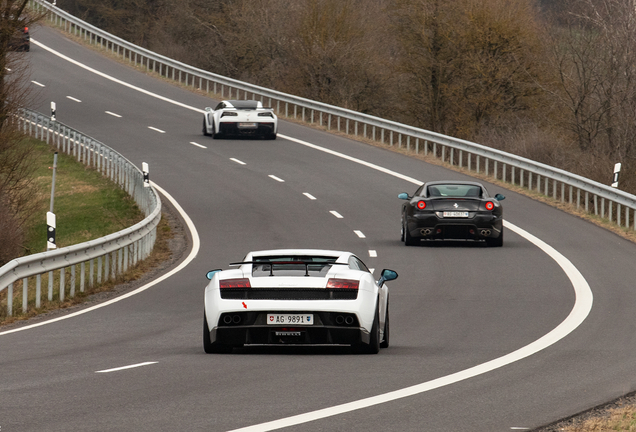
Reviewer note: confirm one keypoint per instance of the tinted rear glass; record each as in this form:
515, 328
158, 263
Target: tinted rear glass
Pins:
454, 191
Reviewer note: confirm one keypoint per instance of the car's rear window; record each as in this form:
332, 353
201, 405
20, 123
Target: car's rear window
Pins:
291, 265
454, 191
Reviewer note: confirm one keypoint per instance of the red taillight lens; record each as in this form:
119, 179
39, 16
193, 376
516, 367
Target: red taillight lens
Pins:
421, 205
490, 205
26, 29
234, 283
343, 283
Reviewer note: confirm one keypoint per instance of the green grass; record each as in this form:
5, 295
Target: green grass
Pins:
87, 205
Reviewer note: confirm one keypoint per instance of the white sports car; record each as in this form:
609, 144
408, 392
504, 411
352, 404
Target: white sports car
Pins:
297, 297
240, 117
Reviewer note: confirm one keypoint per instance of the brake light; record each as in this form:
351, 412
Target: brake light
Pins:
421, 205
235, 283
26, 29
229, 114
490, 205
343, 283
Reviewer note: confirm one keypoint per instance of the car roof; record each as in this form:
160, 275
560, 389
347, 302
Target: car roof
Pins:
300, 252
457, 182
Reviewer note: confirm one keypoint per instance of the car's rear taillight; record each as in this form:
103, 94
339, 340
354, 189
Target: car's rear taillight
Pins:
234, 283
421, 205
26, 29
343, 283
490, 205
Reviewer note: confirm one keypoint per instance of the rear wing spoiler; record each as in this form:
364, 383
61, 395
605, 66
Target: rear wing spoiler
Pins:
306, 263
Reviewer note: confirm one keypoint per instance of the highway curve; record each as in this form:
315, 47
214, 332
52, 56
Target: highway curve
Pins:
455, 307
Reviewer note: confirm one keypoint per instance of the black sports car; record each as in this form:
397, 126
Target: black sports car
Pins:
452, 210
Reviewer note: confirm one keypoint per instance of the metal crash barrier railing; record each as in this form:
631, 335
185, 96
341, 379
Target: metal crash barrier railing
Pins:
98, 260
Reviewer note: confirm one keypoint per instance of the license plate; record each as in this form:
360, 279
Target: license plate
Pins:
455, 214
247, 125
287, 319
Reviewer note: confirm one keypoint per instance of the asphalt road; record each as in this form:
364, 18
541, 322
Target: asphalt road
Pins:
454, 307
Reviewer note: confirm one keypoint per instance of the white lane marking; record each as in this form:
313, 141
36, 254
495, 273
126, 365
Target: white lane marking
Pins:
155, 129
112, 114
196, 245
126, 367
276, 178
73, 99
582, 307
310, 196
373, 253
372, 270
38, 84
238, 161
197, 144
336, 214
113, 79
359, 233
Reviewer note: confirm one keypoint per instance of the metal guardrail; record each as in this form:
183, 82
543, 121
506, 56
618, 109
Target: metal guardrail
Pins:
105, 257
611, 204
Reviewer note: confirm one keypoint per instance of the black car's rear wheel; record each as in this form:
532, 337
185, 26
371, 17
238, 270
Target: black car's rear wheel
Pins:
408, 240
496, 242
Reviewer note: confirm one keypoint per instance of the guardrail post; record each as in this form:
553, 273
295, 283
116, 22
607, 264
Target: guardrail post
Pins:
38, 290
10, 300
50, 292
25, 294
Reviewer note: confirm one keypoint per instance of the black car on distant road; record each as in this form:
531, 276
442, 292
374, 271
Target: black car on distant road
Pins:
450, 210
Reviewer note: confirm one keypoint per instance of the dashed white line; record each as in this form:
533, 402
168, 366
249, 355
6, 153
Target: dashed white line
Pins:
155, 129
359, 234
125, 367
277, 178
73, 99
197, 144
373, 253
310, 196
240, 162
112, 114
336, 214
38, 84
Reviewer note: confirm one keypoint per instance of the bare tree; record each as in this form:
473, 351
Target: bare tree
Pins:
16, 158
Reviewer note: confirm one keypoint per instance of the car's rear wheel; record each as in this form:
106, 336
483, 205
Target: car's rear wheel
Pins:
205, 129
212, 347
496, 242
374, 341
408, 240
385, 342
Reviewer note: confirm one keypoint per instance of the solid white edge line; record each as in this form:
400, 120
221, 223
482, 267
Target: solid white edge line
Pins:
108, 77
196, 244
581, 309
582, 306
126, 367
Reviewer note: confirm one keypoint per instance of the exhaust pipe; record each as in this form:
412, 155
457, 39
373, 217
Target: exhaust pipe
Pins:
227, 319
485, 232
340, 320
425, 231
349, 320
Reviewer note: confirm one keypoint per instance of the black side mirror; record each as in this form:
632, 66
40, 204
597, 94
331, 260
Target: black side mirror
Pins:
500, 197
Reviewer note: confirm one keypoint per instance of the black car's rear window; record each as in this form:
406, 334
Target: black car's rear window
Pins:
454, 191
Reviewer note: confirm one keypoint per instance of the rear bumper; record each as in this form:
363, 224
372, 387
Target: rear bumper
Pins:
330, 328
430, 226
233, 128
